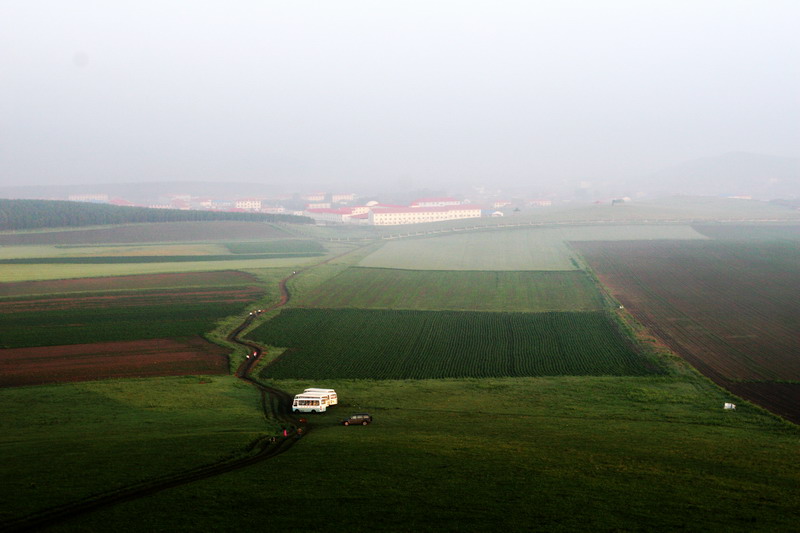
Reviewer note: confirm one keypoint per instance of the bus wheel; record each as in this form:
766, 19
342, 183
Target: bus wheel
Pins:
364, 423
346, 423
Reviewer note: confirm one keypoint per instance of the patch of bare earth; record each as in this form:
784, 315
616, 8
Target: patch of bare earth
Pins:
88, 362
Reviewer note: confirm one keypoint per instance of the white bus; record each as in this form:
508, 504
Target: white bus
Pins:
309, 403
332, 398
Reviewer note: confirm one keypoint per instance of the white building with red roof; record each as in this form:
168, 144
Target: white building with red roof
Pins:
394, 216
248, 203
341, 215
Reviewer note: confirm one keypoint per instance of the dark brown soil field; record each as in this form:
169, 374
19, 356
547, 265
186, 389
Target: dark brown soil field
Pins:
149, 281
731, 309
85, 362
140, 299
152, 232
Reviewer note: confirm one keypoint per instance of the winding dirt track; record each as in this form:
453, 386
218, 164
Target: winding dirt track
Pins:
272, 401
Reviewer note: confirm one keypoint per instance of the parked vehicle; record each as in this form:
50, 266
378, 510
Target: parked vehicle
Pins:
309, 403
357, 419
332, 398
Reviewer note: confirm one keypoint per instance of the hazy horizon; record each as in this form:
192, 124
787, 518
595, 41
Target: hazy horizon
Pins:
394, 94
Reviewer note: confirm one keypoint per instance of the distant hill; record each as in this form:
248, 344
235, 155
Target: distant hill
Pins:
734, 174
35, 214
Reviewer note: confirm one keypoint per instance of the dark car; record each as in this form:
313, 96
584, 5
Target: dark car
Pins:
359, 418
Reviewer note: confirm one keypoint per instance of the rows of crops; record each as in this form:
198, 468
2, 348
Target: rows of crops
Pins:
92, 317
351, 343
527, 291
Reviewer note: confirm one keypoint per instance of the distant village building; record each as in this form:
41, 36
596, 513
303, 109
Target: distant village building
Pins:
249, 203
418, 215
339, 198
94, 198
500, 203
121, 201
435, 202
319, 205
540, 203
341, 215
315, 197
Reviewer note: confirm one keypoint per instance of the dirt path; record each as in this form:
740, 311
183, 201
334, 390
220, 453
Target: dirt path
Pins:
273, 400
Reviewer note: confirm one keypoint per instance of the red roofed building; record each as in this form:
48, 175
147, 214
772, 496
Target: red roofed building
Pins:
419, 215
341, 215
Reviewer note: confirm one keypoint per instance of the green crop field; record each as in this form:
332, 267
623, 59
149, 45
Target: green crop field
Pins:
99, 318
522, 454
510, 249
380, 288
350, 343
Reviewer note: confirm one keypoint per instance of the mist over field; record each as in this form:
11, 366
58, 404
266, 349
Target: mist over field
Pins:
613, 98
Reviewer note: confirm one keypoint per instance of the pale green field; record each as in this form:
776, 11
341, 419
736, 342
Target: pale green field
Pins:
38, 272
36, 251
9, 273
512, 249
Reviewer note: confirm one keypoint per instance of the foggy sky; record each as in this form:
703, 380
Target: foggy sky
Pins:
404, 93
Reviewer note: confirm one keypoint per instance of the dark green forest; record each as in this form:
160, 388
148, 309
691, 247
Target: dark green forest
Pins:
35, 214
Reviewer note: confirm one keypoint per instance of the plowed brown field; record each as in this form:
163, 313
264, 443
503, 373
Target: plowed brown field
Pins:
85, 362
731, 309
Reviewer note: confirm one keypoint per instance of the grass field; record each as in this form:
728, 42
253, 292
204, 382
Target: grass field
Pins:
351, 343
644, 446
63, 442
510, 249
750, 232
525, 454
378, 288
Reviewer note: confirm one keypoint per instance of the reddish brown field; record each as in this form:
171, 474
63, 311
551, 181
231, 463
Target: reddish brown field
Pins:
731, 309
146, 299
85, 362
147, 281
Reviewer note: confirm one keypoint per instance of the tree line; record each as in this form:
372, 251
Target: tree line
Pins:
35, 214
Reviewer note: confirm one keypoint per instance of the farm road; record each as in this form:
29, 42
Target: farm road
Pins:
273, 401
